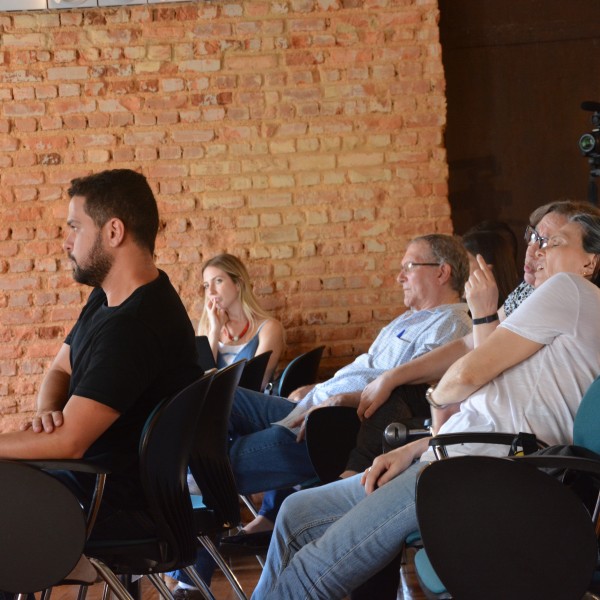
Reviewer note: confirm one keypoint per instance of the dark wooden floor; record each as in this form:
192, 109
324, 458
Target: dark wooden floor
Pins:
247, 571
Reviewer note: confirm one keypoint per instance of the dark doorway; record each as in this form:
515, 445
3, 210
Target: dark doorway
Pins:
517, 72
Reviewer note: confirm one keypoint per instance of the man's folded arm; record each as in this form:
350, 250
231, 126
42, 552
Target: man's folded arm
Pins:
85, 420
53, 394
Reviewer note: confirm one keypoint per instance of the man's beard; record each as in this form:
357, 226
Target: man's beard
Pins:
97, 268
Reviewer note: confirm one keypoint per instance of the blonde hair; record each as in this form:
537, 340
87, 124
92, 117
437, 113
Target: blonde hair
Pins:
235, 268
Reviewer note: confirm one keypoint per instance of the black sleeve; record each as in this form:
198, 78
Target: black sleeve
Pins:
121, 365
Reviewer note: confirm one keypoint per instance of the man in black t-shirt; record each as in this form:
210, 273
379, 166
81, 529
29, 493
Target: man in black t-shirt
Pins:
132, 346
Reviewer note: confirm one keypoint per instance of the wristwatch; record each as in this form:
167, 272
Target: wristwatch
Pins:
429, 398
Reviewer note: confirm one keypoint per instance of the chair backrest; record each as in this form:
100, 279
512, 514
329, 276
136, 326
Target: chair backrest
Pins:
587, 419
330, 436
254, 371
164, 453
495, 528
206, 358
209, 458
303, 370
42, 528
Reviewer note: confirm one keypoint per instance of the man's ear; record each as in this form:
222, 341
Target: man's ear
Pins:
445, 273
115, 232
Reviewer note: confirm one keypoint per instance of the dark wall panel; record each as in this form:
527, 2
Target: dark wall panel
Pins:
517, 72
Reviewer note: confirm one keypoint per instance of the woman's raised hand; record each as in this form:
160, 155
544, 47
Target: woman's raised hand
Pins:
481, 291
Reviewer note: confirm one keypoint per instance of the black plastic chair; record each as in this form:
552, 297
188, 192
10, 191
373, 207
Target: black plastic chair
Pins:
218, 509
330, 435
585, 436
43, 529
206, 358
302, 370
164, 452
254, 371
498, 528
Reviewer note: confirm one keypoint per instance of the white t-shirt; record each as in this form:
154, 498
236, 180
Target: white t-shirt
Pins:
541, 394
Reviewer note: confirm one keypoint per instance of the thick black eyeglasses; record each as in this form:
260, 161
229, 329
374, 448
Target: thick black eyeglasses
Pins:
409, 266
533, 237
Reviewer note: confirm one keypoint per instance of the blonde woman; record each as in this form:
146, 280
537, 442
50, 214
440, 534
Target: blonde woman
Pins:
233, 320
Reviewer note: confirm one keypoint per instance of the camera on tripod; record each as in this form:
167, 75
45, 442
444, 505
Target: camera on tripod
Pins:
589, 143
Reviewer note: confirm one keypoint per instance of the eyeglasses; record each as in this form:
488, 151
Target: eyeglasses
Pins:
533, 237
409, 266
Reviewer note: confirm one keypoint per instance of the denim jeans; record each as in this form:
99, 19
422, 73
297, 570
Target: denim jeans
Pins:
265, 456
329, 540
272, 501
204, 565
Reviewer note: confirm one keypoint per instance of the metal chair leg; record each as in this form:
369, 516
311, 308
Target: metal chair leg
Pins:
249, 504
111, 580
82, 593
160, 585
199, 582
216, 555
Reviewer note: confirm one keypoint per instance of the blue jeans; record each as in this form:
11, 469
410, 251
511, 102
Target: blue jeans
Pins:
265, 456
329, 540
272, 501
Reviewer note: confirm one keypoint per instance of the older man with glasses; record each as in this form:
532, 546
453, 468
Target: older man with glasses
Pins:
433, 273
543, 223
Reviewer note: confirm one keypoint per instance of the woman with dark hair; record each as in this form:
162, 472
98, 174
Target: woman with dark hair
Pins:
498, 254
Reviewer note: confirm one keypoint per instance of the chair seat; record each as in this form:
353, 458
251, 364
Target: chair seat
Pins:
131, 557
413, 538
197, 501
427, 575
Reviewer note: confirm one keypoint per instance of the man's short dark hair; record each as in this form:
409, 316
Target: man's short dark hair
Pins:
124, 194
449, 249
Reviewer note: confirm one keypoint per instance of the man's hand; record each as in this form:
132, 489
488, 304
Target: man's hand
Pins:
481, 291
300, 392
46, 421
387, 466
375, 395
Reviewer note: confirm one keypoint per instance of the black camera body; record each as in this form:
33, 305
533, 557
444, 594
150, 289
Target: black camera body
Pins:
589, 143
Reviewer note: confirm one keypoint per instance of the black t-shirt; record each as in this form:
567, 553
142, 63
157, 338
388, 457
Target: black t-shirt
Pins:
130, 357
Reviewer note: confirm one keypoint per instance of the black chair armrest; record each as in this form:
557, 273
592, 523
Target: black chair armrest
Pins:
67, 464
97, 467
575, 463
527, 441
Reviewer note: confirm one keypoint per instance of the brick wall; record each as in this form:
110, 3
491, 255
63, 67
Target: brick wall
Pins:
304, 136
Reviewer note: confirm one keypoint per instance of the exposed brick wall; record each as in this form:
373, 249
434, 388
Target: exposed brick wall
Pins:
303, 135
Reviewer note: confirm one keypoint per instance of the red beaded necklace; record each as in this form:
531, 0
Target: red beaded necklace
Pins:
235, 338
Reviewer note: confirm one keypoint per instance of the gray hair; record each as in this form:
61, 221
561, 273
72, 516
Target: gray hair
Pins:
568, 208
590, 225
448, 249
